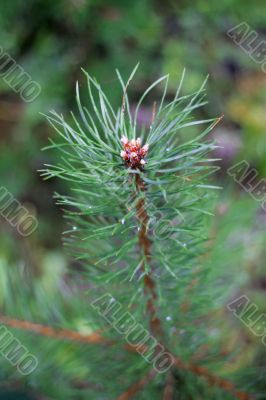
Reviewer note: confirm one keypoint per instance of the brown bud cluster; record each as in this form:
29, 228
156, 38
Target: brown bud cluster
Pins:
133, 154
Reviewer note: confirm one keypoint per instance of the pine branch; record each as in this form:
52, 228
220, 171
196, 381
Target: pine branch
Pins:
109, 168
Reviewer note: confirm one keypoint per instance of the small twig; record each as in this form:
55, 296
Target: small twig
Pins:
65, 334
44, 330
136, 387
168, 393
214, 379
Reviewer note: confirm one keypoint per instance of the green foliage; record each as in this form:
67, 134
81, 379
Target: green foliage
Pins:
51, 40
102, 214
102, 209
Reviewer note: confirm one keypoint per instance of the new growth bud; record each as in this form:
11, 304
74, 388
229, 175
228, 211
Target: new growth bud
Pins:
133, 154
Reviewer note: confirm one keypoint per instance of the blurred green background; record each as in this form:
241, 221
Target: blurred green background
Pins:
52, 40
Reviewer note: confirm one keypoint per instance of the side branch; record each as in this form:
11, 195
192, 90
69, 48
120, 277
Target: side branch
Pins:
44, 330
213, 380
62, 334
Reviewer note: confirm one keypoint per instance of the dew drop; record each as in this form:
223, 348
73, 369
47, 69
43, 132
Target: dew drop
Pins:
168, 318
74, 228
123, 221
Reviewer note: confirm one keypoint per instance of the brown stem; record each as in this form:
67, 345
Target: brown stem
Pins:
212, 379
145, 245
168, 393
136, 387
44, 330
63, 334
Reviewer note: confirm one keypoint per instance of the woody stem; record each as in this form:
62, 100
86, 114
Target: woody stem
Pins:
145, 245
